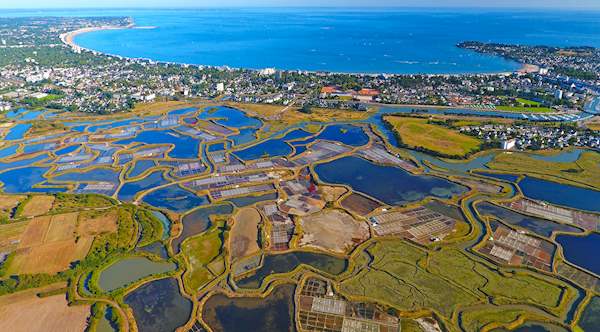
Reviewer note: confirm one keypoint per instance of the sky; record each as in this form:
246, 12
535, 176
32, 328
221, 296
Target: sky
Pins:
570, 4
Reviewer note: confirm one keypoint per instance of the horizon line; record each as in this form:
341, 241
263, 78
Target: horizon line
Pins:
439, 7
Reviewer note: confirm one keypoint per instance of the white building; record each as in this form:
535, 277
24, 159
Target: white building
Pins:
34, 78
509, 144
38, 95
5, 107
267, 71
220, 87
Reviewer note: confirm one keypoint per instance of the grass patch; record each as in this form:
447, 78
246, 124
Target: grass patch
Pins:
482, 319
68, 202
204, 254
524, 109
412, 279
583, 172
421, 134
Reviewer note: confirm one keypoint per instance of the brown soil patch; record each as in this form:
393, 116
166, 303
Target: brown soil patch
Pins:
360, 204
244, 233
38, 205
332, 194
35, 233
105, 223
593, 123
49, 245
25, 312
51, 257
9, 202
333, 230
62, 227
10, 235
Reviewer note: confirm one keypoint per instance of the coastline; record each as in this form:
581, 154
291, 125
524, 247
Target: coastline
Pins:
68, 39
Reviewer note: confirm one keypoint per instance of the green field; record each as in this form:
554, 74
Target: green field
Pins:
522, 109
418, 133
412, 279
525, 106
203, 255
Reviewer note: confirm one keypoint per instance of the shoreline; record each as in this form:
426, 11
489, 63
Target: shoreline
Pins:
68, 38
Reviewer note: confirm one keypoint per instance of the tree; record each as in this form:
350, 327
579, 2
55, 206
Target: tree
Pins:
306, 109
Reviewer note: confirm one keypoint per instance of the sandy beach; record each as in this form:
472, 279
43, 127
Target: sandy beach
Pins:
68, 37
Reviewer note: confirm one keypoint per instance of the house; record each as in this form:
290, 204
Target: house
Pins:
366, 95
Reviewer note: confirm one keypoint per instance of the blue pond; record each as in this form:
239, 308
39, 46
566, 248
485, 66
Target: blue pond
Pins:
17, 132
561, 194
66, 150
8, 151
15, 113
115, 124
186, 147
96, 174
159, 306
175, 198
581, 250
230, 117
31, 115
140, 167
130, 189
216, 147
296, 134
390, 185
34, 148
245, 136
23, 179
569, 156
343, 133
270, 148
299, 149
183, 111
23, 162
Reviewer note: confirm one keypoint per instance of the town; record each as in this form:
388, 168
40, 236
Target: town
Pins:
39, 69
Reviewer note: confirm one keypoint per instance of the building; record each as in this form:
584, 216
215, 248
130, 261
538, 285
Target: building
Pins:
366, 95
220, 87
267, 72
509, 144
558, 94
38, 95
4, 106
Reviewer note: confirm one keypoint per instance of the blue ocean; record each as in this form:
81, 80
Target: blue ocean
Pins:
338, 40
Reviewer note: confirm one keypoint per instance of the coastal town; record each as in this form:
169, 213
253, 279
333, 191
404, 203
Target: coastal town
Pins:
51, 70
